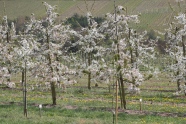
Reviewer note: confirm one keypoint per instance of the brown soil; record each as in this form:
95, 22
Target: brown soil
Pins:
131, 112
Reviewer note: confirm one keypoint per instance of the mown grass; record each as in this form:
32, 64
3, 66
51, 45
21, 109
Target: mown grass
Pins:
58, 115
79, 105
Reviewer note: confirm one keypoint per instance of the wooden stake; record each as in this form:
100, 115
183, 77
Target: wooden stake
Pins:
23, 84
25, 89
116, 109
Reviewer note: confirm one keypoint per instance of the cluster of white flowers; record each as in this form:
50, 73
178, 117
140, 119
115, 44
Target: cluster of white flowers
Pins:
119, 22
133, 89
7, 44
51, 14
135, 78
11, 85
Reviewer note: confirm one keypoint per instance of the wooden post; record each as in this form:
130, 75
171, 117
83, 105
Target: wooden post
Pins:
25, 90
116, 109
113, 90
23, 84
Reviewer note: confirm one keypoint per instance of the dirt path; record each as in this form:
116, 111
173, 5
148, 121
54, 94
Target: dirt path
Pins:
163, 114
130, 112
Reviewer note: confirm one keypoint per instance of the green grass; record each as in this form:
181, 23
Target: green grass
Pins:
81, 106
13, 114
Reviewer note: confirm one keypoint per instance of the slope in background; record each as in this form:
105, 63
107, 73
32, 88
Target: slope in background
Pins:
155, 14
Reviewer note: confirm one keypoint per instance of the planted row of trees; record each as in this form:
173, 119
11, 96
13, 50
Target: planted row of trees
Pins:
43, 44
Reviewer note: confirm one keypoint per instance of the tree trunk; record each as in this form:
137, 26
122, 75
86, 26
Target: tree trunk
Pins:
53, 90
178, 80
89, 82
120, 94
176, 62
9, 63
136, 50
120, 78
89, 74
123, 91
178, 85
184, 53
22, 80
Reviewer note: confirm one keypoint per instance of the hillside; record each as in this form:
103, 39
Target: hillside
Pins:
155, 14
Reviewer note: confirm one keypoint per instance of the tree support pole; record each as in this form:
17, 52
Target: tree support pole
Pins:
25, 92
116, 109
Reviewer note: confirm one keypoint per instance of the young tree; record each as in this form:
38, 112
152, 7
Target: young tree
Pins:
90, 49
129, 50
52, 38
24, 51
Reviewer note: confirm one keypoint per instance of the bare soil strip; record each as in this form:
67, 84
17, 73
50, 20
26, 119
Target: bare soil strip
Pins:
130, 112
